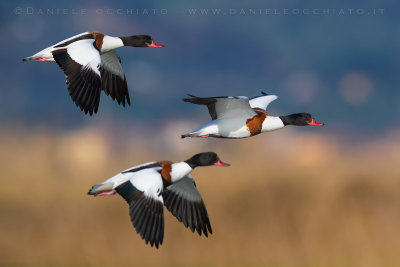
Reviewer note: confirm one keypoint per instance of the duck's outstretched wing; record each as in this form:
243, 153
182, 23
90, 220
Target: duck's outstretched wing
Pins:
113, 80
224, 106
145, 211
262, 101
184, 201
80, 62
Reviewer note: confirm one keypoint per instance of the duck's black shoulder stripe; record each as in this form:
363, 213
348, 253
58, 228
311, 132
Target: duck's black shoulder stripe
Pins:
82, 37
156, 164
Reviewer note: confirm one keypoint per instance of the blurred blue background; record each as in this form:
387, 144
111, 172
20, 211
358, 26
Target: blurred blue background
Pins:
341, 65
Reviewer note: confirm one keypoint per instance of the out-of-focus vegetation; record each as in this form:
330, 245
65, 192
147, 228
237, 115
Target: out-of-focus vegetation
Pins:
287, 200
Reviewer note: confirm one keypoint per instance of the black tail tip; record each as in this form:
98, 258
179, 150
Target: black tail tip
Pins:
90, 192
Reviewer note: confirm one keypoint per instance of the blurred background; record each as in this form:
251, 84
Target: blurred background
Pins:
301, 196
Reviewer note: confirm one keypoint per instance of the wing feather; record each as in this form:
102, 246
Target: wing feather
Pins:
262, 101
113, 78
146, 213
80, 62
224, 106
184, 201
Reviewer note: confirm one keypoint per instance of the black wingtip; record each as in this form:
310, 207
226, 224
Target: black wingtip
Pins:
24, 59
83, 84
184, 136
189, 99
264, 93
154, 244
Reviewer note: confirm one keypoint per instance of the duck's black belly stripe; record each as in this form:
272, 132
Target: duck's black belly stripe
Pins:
82, 37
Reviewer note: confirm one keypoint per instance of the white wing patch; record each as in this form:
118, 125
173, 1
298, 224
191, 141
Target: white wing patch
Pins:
124, 176
84, 53
148, 181
262, 101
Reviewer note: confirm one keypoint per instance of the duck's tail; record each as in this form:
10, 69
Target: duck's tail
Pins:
185, 135
38, 58
102, 189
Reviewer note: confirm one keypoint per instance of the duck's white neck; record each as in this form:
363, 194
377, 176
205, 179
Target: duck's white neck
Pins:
110, 43
272, 123
179, 170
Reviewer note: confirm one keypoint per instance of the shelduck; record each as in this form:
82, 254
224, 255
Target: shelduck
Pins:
241, 117
91, 64
147, 187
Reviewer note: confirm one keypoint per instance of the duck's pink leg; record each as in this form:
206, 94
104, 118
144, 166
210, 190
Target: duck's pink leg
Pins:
38, 59
106, 193
204, 136
42, 59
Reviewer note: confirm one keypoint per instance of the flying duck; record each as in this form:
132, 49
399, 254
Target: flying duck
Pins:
240, 117
149, 186
91, 64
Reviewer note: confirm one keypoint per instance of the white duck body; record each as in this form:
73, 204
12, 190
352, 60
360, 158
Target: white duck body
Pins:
236, 116
145, 176
108, 43
230, 128
46, 55
272, 123
235, 127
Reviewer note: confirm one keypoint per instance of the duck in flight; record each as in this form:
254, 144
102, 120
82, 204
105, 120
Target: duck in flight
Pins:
150, 186
92, 65
240, 117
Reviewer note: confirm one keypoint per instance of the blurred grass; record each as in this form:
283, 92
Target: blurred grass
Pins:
287, 200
